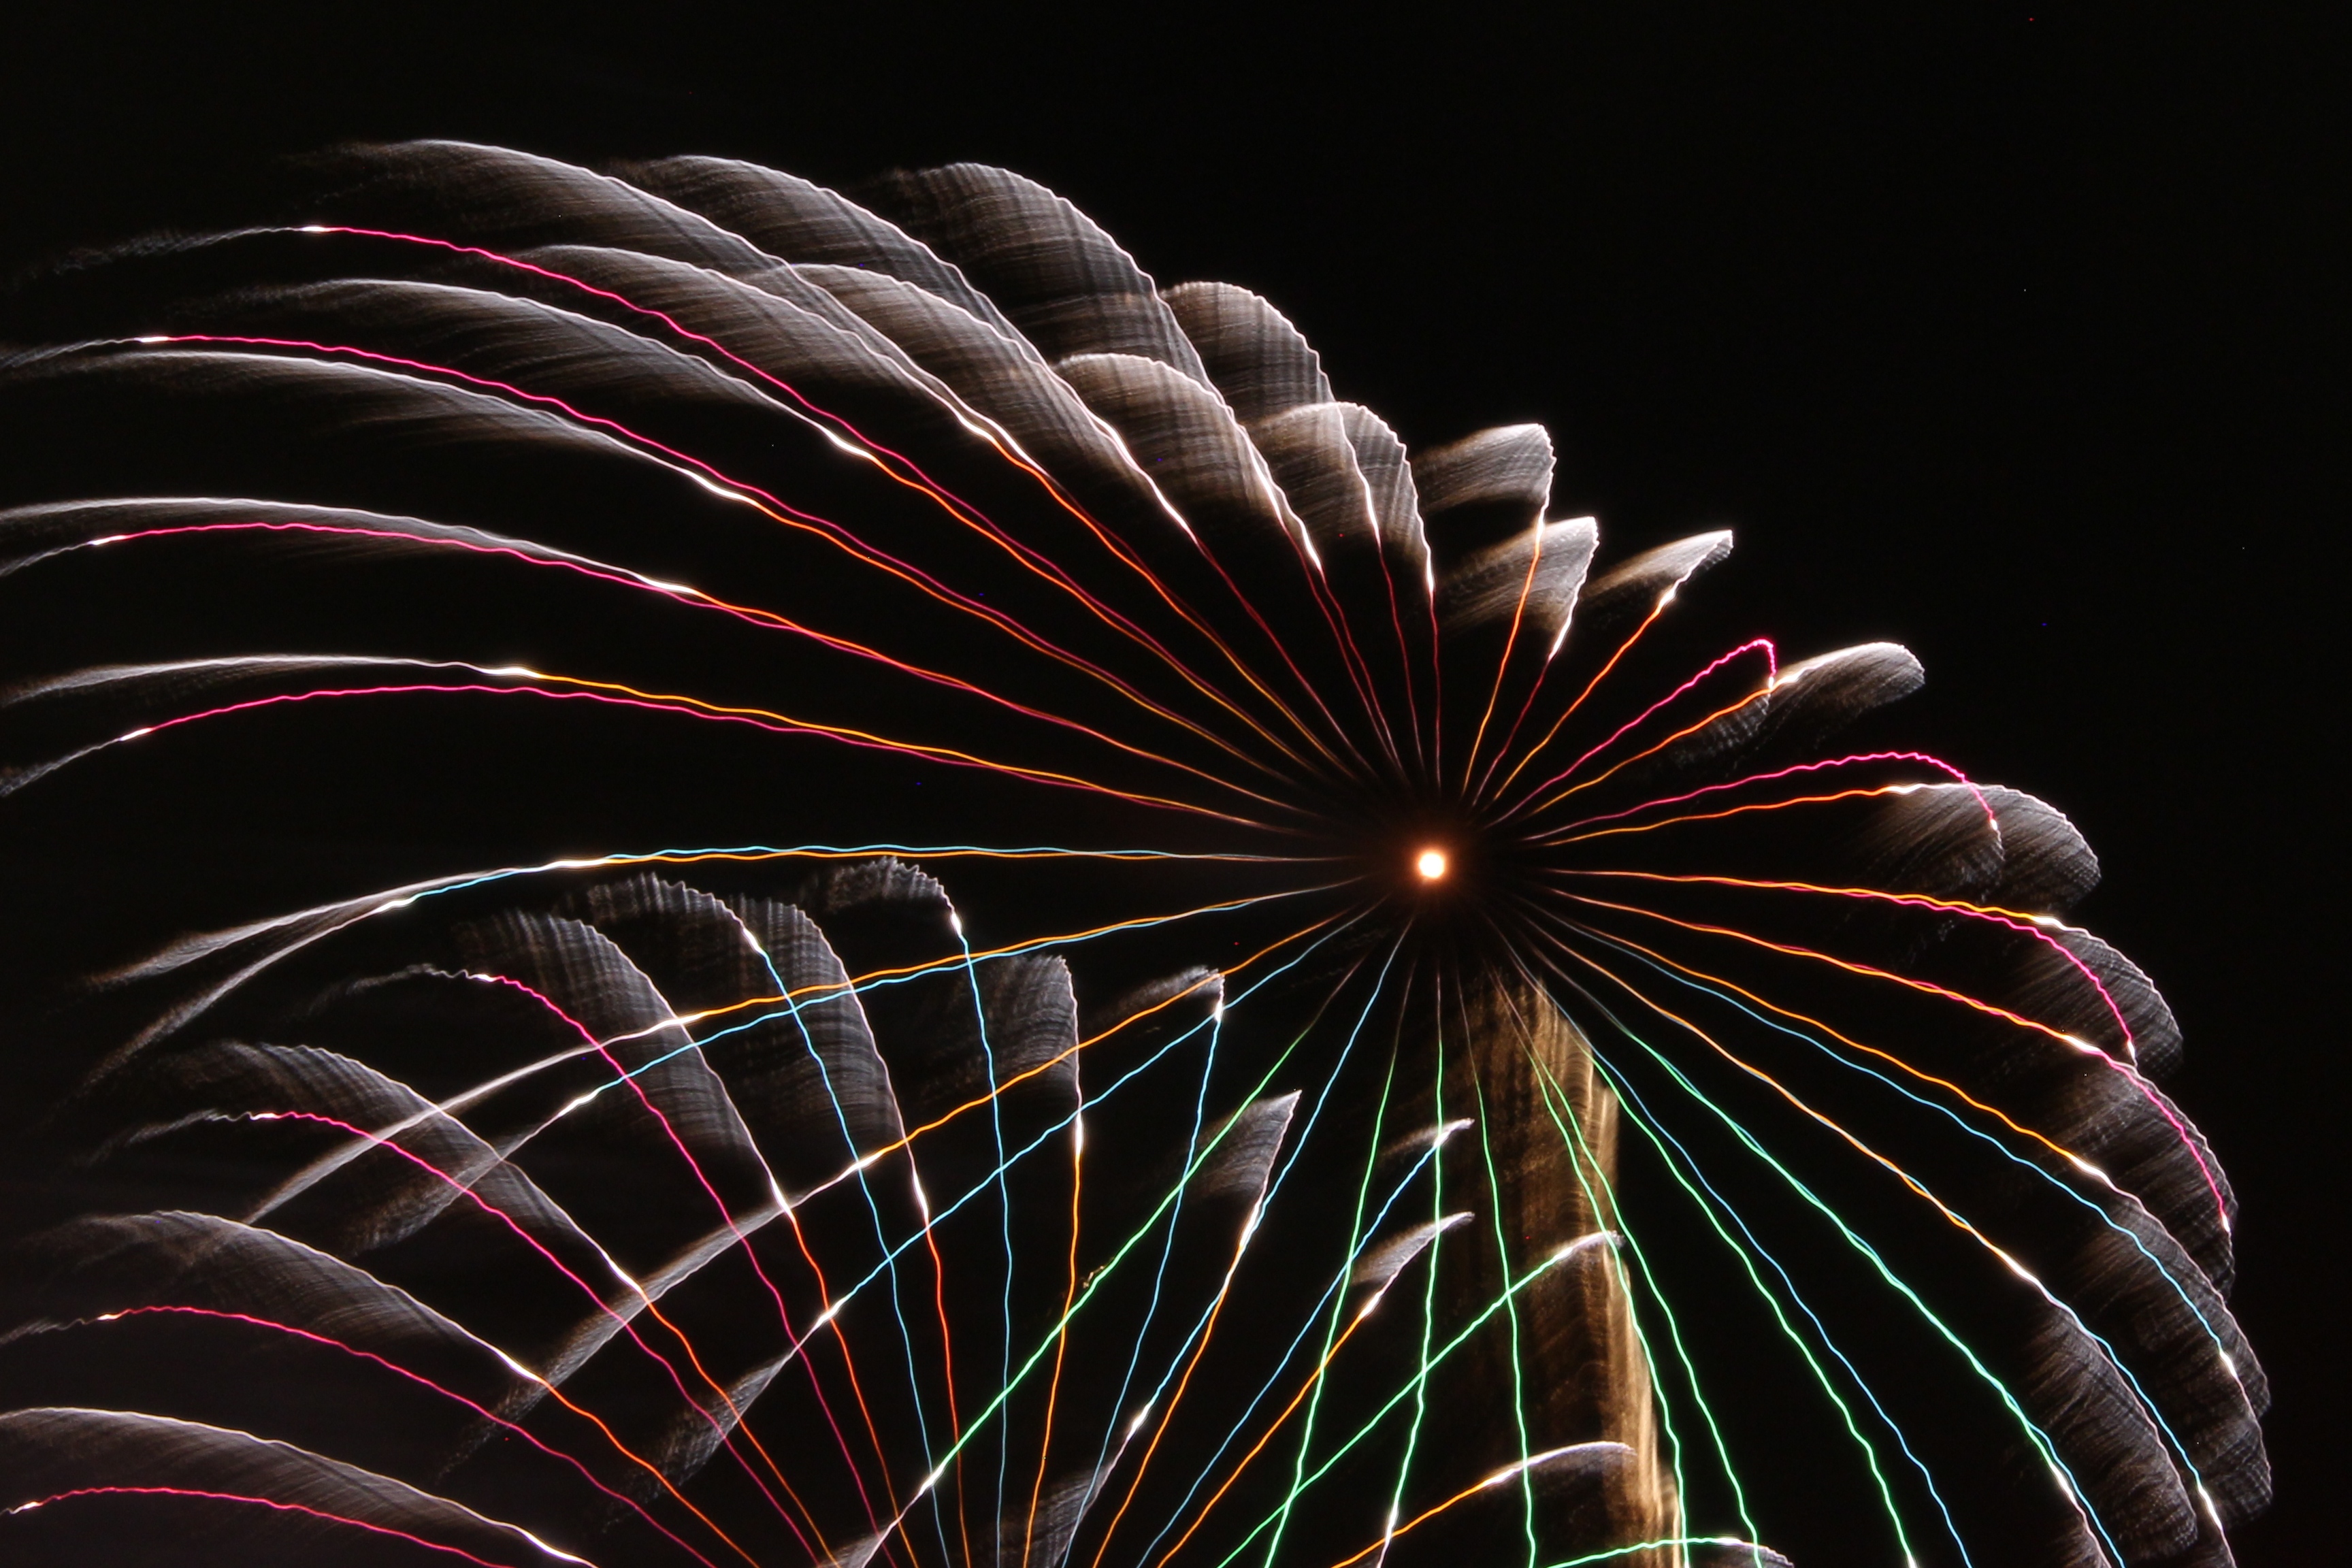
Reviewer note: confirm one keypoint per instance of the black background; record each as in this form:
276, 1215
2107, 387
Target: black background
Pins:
2013, 335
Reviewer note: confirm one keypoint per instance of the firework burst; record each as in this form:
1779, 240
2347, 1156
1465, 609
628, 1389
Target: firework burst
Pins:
1353, 863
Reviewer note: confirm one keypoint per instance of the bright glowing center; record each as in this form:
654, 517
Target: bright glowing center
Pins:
1430, 864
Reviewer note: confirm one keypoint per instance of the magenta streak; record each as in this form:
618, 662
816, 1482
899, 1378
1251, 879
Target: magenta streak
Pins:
1771, 673
725, 1437
2187, 1140
766, 619
1310, 571
1922, 758
936, 488
782, 1313
767, 725
831, 529
1690, 1028
264, 1503
482, 1411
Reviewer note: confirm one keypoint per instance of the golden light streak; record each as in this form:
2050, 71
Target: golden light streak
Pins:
842, 731
1565, 837
1503, 664
1599, 676
1927, 987
1616, 768
2077, 1161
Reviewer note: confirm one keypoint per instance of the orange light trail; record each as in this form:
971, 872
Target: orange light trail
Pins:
1562, 837
743, 1425
905, 1142
947, 1335
1190, 617
1360, 675
1281, 648
1857, 1144
2017, 920
1436, 681
1351, 659
1889, 1057
483, 1411
1463, 1496
1200, 1346
1772, 662
1922, 758
987, 430
1925, 987
752, 855
947, 754
860, 982
781, 513
1404, 651
1061, 1331
1096, 1038
1612, 770
1599, 676
2081, 1047
1503, 664
830, 1316
612, 1437
1528, 704
1159, 1428
1305, 1388
690, 706
697, 599
725, 1438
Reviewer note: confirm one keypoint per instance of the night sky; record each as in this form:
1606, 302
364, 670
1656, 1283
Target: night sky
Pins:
2009, 335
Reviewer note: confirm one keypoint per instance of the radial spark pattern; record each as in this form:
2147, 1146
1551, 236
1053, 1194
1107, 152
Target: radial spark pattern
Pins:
1364, 877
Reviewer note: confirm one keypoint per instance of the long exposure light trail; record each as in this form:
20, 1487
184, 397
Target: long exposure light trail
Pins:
615, 695
694, 598
207, 1495
1793, 769
2073, 1042
2031, 926
730, 489
1121, 1051
1920, 1190
1724, 990
482, 1411
2006, 1395
994, 436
